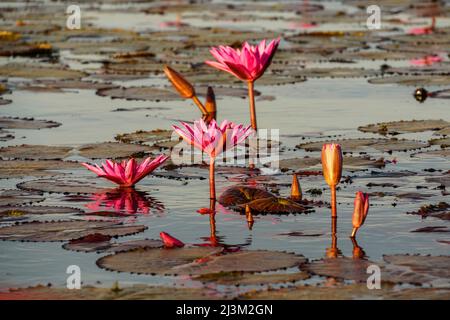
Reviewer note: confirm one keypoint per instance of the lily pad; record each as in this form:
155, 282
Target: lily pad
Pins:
411, 80
65, 84
26, 123
62, 186
111, 150
38, 168
65, 230
136, 292
350, 163
397, 127
198, 261
100, 243
140, 93
38, 210
276, 205
17, 70
382, 145
440, 211
346, 292
19, 197
141, 136
443, 142
34, 152
238, 195
444, 153
243, 279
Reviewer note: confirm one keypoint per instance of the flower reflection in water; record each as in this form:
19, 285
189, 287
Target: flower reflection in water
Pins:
125, 200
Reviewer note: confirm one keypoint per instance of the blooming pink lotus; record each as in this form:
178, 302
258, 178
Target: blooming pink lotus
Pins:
213, 139
248, 64
126, 173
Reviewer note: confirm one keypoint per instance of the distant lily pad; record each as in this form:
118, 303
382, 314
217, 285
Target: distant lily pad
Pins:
111, 150
34, 168
443, 153
440, 210
34, 152
141, 136
62, 186
65, 230
354, 145
135, 292
198, 261
140, 93
99, 243
38, 210
243, 279
26, 123
396, 127
11, 70
65, 84
443, 142
19, 197
412, 80
350, 163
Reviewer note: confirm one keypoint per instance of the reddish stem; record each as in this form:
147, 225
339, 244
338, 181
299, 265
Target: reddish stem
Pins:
251, 97
333, 202
212, 181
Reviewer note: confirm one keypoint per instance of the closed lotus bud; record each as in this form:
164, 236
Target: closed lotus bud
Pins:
296, 190
184, 88
332, 163
210, 106
360, 211
169, 241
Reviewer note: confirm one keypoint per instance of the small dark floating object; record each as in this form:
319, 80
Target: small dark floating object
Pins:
421, 94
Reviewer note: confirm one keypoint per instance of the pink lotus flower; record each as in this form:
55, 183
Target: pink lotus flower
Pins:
169, 241
126, 173
360, 211
426, 61
248, 64
424, 30
213, 139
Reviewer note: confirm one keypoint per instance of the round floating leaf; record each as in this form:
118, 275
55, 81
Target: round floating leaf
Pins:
354, 145
411, 80
99, 243
444, 153
238, 195
396, 127
26, 123
111, 150
36, 168
136, 292
154, 261
427, 266
65, 84
443, 142
62, 186
346, 292
350, 163
140, 93
275, 205
141, 136
34, 152
17, 70
65, 230
198, 261
245, 279
18, 197
27, 210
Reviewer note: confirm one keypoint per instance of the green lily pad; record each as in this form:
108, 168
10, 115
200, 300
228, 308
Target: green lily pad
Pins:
197, 261
37, 168
412, 80
243, 279
65, 230
19, 197
396, 127
62, 186
17, 70
354, 145
26, 123
104, 245
34, 152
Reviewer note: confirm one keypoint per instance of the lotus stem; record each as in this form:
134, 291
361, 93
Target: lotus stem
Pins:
199, 105
212, 221
333, 202
251, 97
212, 181
353, 233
